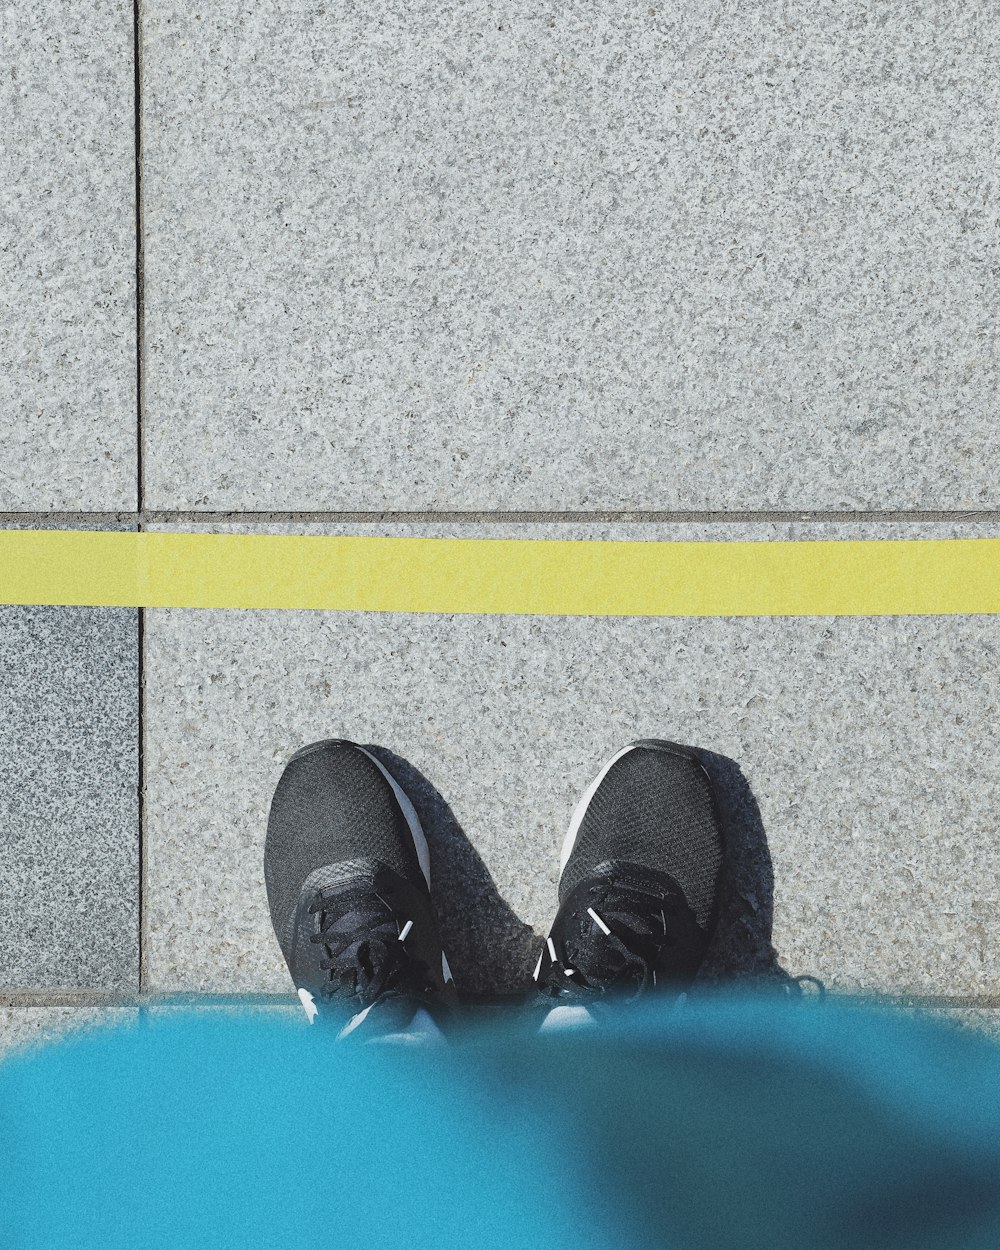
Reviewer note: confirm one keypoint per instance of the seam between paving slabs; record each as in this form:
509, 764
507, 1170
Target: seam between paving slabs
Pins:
569, 518
140, 277
194, 998
140, 319
146, 517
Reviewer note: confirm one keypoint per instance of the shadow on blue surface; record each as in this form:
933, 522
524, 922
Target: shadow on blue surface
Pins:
736, 1122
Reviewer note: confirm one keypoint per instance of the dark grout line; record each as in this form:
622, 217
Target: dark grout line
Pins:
195, 998
144, 518
140, 289
495, 517
128, 519
145, 998
140, 319
944, 1002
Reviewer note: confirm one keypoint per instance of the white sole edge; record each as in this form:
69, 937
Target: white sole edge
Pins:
410, 815
581, 808
354, 1021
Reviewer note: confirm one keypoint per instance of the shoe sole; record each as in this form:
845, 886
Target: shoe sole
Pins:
672, 748
402, 798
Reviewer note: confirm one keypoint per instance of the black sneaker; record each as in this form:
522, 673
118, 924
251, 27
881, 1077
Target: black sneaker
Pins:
639, 883
348, 876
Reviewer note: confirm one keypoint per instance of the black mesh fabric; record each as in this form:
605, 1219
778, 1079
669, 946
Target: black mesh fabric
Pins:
346, 937
332, 804
647, 938
653, 808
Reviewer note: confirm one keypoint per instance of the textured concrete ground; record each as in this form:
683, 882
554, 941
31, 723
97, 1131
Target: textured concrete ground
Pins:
841, 746
443, 255
715, 257
67, 261
24, 1027
69, 798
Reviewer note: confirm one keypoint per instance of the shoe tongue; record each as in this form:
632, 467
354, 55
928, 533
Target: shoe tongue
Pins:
607, 960
652, 931
349, 924
637, 878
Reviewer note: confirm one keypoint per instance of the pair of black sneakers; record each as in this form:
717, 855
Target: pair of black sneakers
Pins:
348, 879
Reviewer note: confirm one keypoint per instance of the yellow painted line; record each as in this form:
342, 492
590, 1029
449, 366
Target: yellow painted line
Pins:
549, 577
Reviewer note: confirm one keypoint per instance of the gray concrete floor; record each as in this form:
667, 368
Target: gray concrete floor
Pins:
684, 273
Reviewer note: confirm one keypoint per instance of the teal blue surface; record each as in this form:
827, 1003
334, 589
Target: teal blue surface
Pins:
734, 1123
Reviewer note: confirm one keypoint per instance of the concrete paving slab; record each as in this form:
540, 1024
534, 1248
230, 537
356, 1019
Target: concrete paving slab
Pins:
697, 256
290, 1010
984, 1020
67, 264
26, 1027
69, 835
855, 760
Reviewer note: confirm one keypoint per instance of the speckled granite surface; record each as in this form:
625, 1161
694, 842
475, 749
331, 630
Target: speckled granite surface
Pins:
69, 782
25, 1027
983, 1020
854, 758
699, 256
67, 261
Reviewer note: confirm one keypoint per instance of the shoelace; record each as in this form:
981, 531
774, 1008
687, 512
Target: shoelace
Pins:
366, 953
613, 943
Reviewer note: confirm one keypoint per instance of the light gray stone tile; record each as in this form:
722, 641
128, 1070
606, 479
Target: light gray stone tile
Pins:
856, 762
709, 256
291, 1010
67, 263
25, 1027
985, 1020
69, 843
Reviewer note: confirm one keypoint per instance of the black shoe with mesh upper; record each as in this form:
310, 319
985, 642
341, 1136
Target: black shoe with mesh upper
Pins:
348, 875
639, 885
